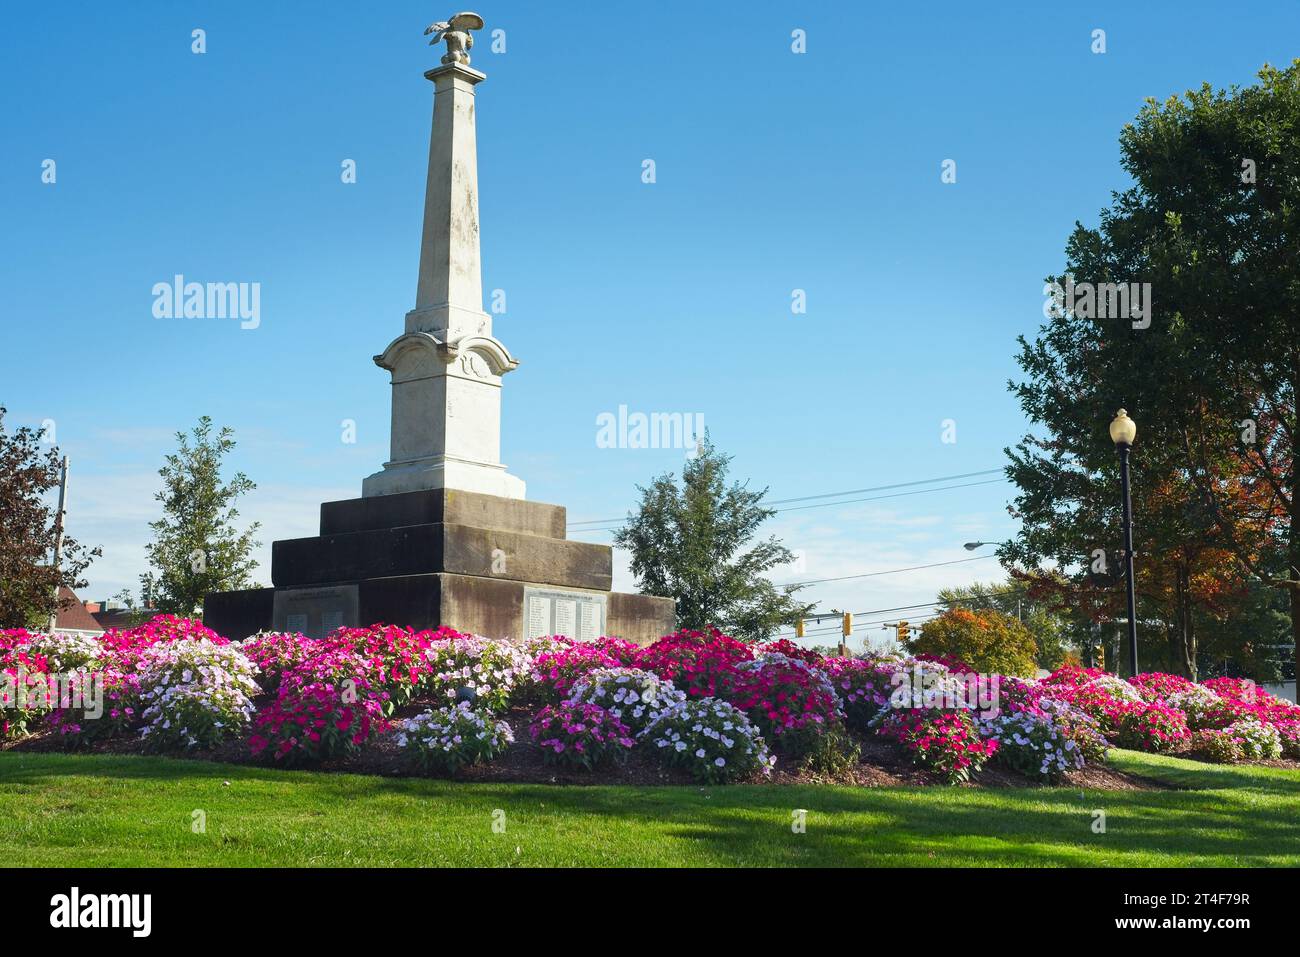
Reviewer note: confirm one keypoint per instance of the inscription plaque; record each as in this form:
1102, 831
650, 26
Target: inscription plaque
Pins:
548, 611
315, 612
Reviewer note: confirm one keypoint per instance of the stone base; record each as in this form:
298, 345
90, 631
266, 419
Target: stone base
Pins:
483, 606
444, 473
490, 565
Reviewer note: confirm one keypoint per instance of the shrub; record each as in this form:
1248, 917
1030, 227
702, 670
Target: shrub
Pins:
633, 696
1157, 686
830, 754
712, 739
490, 671
580, 735
863, 685
943, 742
1244, 741
63, 652
23, 691
784, 695
450, 738
194, 693
1242, 690
556, 671
1033, 743
1205, 710
1071, 676
120, 710
702, 664
1101, 696
324, 708
1150, 727
126, 646
784, 646
991, 642
394, 655
1289, 739
275, 652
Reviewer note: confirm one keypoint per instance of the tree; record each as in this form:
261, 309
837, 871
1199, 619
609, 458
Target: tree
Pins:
686, 544
196, 547
987, 640
29, 582
1210, 368
1054, 629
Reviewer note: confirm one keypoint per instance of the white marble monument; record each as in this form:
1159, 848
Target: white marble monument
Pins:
447, 366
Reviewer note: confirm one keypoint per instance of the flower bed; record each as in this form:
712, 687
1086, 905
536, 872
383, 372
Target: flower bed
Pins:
702, 664
579, 735
786, 698
324, 708
450, 738
194, 693
863, 685
555, 671
946, 743
276, 652
467, 666
633, 696
1246, 740
1033, 743
711, 739
1152, 726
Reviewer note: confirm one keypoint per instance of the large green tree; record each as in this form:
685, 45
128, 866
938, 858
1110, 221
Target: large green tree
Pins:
29, 582
689, 543
1209, 367
197, 547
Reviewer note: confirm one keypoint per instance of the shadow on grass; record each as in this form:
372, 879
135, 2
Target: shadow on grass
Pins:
1232, 815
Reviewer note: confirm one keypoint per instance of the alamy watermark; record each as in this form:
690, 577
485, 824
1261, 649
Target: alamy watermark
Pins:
179, 299
922, 688
658, 430
1102, 300
38, 691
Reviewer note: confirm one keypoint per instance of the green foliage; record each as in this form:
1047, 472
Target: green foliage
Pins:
1211, 223
28, 581
987, 640
196, 547
830, 753
687, 542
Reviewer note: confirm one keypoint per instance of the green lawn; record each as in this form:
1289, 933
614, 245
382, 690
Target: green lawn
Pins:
94, 810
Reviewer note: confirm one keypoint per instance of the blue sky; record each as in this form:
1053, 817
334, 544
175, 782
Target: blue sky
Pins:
775, 171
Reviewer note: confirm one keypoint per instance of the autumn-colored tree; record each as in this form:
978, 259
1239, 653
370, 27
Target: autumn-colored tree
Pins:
987, 640
29, 583
1209, 369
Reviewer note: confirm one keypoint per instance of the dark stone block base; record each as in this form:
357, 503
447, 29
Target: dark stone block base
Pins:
474, 562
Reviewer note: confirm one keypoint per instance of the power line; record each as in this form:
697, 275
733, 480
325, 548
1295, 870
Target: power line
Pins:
855, 491
890, 571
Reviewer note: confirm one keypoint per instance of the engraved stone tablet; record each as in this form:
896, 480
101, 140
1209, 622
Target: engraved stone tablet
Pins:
577, 614
315, 612
566, 617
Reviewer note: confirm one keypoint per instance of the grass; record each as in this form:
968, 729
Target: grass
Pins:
106, 810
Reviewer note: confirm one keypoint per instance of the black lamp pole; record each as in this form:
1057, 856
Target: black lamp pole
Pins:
1122, 432
1128, 560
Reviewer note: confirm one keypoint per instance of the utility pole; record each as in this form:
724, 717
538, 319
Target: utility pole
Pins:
58, 540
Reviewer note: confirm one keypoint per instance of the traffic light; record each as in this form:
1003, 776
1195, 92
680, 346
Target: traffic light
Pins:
904, 630
848, 624
798, 628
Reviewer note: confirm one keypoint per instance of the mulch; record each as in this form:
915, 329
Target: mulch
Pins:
881, 765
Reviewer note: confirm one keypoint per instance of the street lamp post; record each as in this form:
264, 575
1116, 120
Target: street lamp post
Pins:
1123, 431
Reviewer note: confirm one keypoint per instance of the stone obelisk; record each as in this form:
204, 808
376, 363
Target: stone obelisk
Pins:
447, 366
443, 535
